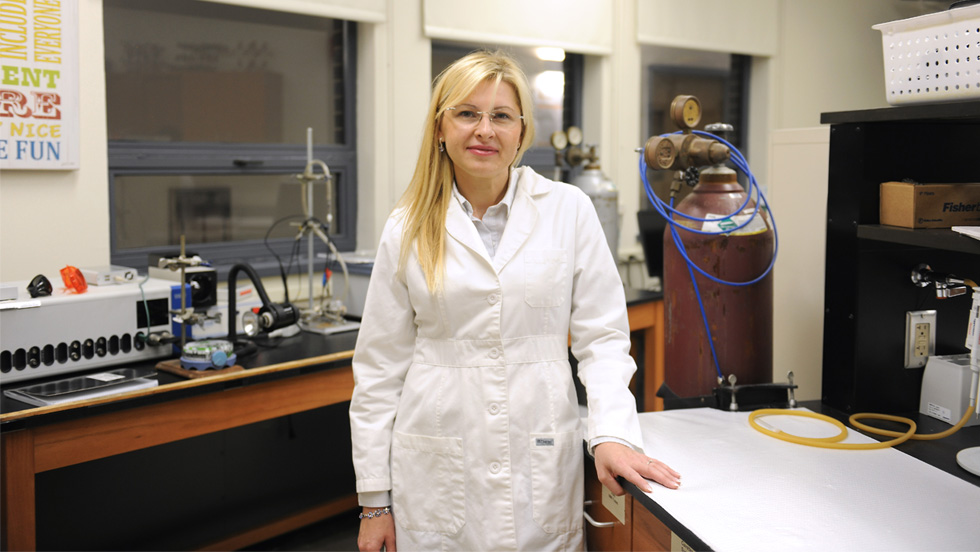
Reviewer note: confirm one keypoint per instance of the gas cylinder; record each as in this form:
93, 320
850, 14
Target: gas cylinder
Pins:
740, 317
605, 198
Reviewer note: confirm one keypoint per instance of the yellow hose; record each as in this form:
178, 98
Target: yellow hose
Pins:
834, 441
826, 442
918, 436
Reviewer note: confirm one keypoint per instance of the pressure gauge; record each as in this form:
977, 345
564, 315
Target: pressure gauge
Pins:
574, 135
685, 111
559, 140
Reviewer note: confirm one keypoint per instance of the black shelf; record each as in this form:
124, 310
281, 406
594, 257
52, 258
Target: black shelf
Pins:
906, 113
938, 238
868, 291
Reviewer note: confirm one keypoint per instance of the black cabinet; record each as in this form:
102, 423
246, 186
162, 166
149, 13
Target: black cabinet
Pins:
868, 287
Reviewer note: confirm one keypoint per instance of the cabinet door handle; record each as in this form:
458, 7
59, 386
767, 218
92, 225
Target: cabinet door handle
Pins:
593, 522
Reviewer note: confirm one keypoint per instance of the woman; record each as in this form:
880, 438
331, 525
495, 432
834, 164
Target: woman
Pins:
464, 417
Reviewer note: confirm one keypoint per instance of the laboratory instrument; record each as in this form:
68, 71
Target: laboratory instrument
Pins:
184, 314
327, 317
66, 332
208, 353
946, 388
267, 318
201, 279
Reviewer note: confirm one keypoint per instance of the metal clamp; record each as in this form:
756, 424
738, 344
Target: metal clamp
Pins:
733, 406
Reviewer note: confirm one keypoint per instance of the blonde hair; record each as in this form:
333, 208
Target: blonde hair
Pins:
426, 200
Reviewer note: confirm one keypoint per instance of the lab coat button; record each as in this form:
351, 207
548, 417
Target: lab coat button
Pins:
494, 353
494, 467
493, 298
494, 408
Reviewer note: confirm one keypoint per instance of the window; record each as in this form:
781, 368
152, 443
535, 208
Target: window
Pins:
208, 107
556, 82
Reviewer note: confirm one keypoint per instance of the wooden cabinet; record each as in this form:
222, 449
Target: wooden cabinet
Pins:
868, 288
649, 533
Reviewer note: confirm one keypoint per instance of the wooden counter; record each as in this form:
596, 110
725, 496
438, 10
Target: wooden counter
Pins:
37, 440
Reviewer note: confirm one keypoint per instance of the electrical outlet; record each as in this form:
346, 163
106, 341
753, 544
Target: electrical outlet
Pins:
920, 337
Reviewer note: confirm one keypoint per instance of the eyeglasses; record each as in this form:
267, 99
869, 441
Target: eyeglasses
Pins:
468, 118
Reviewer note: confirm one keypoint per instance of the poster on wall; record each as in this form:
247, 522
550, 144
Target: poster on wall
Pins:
39, 84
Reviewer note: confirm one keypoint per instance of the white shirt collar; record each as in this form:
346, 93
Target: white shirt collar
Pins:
507, 200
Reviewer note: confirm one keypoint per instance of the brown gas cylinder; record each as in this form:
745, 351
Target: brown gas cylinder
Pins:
740, 317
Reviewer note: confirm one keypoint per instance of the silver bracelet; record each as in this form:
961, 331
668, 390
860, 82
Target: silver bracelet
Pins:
375, 513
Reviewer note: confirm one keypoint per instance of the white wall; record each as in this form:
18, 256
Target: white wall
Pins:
829, 59
799, 198
49, 219
812, 56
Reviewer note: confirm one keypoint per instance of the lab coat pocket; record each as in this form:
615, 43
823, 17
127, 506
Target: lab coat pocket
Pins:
544, 277
557, 481
427, 483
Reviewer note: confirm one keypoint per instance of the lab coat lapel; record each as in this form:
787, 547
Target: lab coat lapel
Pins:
460, 228
520, 222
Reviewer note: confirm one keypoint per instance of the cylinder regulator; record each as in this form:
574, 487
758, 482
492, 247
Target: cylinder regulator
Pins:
595, 184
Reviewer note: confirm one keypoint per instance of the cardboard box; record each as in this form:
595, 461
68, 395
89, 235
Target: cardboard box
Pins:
913, 205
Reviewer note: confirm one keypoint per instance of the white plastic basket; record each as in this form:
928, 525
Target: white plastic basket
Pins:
933, 57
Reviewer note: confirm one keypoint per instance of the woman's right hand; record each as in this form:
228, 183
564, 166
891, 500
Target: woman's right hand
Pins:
377, 533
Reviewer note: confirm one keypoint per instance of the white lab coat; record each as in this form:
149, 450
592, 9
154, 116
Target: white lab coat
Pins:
464, 405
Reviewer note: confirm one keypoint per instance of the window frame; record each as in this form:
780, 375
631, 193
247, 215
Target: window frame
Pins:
151, 158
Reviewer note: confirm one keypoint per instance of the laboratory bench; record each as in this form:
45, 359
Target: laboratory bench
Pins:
162, 467
215, 463
748, 491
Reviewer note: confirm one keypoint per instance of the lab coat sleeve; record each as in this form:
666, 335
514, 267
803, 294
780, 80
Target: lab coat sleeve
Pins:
600, 333
382, 357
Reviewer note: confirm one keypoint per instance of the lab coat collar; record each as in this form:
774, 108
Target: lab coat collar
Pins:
523, 214
520, 221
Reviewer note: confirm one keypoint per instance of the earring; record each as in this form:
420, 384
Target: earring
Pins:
442, 146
